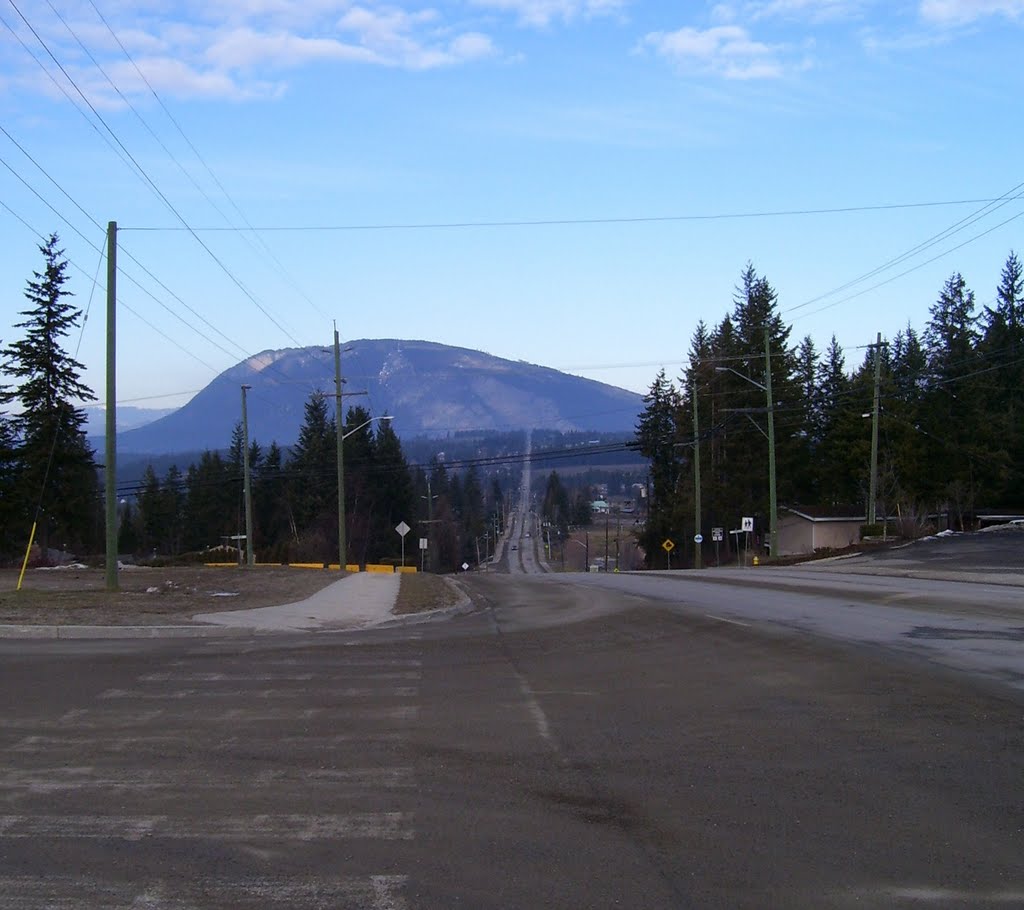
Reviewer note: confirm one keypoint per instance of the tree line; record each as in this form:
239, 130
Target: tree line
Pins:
950, 431
48, 473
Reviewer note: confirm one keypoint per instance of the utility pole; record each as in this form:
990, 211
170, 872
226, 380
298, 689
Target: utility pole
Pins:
873, 484
773, 505
110, 455
338, 426
696, 480
430, 525
607, 518
250, 557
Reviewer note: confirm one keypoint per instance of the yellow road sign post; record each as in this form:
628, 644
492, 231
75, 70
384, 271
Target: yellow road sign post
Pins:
668, 546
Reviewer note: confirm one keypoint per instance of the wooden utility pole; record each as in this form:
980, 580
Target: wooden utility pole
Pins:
873, 483
110, 442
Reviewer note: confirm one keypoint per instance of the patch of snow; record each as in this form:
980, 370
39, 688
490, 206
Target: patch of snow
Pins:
224, 594
152, 589
70, 565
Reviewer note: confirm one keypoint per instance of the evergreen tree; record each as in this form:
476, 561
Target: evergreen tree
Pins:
9, 514
952, 470
557, 508
313, 473
656, 435
393, 494
172, 508
211, 513
1002, 348
360, 493
271, 507
54, 464
151, 509
837, 435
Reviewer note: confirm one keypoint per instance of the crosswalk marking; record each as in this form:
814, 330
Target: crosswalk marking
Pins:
304, 828
372, 892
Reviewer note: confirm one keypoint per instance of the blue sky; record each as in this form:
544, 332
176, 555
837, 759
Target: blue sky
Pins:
339, 129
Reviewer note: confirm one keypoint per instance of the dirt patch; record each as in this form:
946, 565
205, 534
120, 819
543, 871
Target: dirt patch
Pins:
150, 596
421, 592
172, 596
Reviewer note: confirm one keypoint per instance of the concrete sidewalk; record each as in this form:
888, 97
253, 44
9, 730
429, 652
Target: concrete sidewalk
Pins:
357, 601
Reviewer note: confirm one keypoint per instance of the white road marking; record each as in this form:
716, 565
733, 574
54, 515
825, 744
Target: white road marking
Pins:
374, 892
226, 677
306, 828
732, 622
178, 694
24, 784
102, 744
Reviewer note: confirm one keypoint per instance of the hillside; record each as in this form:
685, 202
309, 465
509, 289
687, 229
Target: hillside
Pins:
429, 388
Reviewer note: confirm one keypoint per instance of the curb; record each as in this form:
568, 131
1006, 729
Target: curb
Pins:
117, 632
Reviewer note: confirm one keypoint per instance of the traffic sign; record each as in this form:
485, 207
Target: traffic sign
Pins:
402, 528
465, 566
716, 533
747, 523
698, 538
668, 546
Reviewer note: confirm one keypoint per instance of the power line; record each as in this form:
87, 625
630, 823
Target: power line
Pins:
266, 248
990, 206
149, 181
920, 265
554, 222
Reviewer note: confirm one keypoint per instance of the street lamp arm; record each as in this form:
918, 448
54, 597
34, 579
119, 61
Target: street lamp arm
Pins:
742, 376
365, 423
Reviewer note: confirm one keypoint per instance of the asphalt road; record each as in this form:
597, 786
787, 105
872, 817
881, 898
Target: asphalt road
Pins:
577, 742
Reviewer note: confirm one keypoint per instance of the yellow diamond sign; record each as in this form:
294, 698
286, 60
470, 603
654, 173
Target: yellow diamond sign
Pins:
668, 546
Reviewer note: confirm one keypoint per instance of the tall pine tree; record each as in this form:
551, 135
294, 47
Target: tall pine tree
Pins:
56, 474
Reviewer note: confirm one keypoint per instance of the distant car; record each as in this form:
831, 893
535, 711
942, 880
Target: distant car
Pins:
514, 547
527, 533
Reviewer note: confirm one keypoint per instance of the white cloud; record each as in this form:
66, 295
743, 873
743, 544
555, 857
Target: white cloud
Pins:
244, 49
392, 36
239, 48
540, 13
962, 12
811, 12
726, 50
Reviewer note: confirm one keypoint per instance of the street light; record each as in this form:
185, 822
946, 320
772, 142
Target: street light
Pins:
773, 509
342, 436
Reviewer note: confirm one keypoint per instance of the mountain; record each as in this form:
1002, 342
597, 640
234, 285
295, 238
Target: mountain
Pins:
128, 417
429, 389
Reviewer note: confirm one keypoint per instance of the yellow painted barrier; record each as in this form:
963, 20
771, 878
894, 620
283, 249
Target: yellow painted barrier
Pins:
306, 565
221, 565
390, 570
352, 567
406, 570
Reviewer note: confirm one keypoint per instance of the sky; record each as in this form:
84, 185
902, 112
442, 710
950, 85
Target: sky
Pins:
573, 183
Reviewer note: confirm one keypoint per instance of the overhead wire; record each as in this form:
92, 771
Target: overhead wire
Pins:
149, 181
991, 206
267, 249
554, 222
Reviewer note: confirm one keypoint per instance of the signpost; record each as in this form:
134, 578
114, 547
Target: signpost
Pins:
716, 536
668, 546
423, 551
402, 528
746, 526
